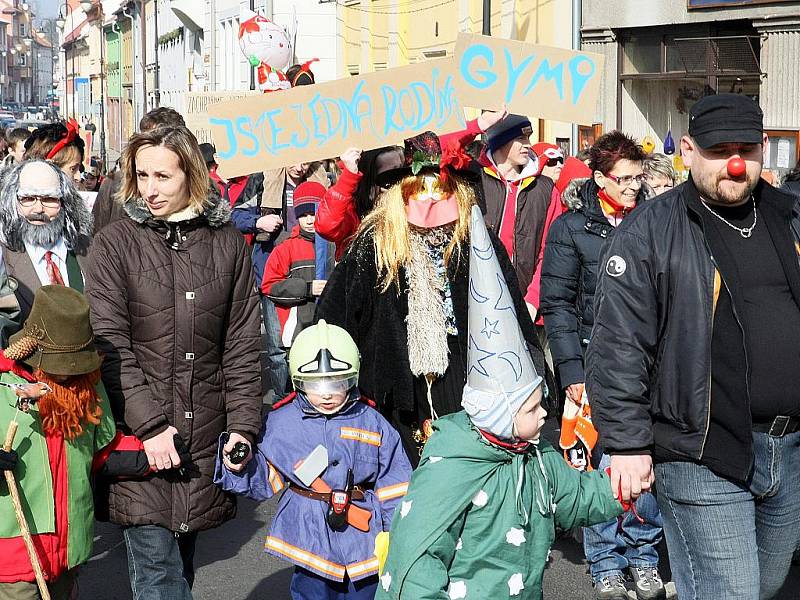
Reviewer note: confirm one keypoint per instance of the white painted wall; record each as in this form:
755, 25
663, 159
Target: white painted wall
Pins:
316, 33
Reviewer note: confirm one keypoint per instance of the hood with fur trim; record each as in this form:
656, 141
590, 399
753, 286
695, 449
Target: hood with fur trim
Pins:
572, 194
217, 211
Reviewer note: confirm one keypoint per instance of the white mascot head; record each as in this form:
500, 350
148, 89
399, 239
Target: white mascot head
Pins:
267, 47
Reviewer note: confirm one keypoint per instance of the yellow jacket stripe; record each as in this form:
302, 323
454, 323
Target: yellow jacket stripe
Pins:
391, 491
361, 435
303, 557
363, 568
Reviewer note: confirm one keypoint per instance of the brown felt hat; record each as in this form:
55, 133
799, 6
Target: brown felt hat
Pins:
57, 336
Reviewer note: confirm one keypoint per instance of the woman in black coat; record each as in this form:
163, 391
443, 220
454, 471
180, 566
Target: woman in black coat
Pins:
569, 277
402, 292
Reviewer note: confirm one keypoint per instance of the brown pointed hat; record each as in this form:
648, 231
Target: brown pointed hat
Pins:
57, 336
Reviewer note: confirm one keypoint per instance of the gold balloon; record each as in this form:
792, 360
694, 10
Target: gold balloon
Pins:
648, 144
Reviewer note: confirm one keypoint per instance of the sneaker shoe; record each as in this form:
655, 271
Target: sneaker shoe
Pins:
648, 584
611, 587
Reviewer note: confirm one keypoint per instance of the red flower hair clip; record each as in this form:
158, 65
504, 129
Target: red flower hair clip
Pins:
453, 157
69, 137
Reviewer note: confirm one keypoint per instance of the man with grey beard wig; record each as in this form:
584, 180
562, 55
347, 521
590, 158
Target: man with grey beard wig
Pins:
45, 230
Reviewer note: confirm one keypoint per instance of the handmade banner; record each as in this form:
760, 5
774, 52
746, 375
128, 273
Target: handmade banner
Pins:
320, 121
536, 81
196, 110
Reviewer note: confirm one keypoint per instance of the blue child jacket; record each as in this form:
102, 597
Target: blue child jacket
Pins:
356, 438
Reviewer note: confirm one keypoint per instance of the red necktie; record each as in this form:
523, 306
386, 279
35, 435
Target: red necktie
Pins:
52, 270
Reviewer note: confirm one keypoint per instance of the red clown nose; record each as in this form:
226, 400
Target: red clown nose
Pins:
736, 167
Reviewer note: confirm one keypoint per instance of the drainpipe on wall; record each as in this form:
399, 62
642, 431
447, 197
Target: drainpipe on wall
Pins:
143, 34
252, 70
213, 25
577, 18
156, 72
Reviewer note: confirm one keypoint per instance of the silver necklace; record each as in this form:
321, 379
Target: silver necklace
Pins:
745, 232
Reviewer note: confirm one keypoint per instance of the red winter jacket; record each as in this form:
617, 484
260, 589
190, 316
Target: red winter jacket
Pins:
555, 209
287, 281
337, 220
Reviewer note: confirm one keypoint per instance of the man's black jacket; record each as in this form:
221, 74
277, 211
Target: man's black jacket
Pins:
649, 360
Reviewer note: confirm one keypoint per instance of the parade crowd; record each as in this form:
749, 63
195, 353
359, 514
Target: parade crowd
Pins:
378, 339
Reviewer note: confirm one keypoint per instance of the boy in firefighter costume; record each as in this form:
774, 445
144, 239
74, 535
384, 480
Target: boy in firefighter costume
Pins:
342, 463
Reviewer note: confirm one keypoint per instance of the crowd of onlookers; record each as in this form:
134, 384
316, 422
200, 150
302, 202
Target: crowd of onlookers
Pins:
191, 277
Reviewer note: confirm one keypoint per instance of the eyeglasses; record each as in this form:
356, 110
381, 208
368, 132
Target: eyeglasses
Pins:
46, 201
554, 162
626, 180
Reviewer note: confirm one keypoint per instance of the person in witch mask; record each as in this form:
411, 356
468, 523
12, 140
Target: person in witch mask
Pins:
45, 229
401, 290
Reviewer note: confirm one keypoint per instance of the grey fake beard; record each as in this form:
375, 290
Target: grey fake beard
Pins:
44, 236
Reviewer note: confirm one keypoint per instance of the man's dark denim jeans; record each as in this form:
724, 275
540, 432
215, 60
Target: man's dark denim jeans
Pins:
729, 540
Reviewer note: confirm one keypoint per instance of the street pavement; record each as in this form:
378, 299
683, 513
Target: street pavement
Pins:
231, 565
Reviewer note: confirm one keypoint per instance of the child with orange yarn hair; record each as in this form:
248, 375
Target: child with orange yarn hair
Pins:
59, 434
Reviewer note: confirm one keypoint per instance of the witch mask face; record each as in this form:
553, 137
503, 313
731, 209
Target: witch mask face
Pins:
431, 206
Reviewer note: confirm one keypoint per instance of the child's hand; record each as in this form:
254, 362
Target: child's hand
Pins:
233, 439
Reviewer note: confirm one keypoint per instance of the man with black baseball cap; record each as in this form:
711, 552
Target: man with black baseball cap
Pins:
692, 367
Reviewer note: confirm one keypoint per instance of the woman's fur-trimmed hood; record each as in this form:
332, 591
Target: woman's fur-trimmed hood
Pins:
217, 211
572, 194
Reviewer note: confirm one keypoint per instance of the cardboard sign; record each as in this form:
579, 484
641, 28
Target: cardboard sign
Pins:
196, 110
536, 81
320, 121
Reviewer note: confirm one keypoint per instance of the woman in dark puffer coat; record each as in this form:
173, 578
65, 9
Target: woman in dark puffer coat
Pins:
569, 277
175, 312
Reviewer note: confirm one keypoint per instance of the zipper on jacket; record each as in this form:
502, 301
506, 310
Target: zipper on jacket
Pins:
744, 347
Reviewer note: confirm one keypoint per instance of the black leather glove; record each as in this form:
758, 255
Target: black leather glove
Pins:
8, 460
182, 449
187, 468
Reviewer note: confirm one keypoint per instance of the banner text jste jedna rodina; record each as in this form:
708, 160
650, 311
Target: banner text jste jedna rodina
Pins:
308, 123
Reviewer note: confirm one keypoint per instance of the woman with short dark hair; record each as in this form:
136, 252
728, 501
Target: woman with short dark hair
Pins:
176, 315
569, 275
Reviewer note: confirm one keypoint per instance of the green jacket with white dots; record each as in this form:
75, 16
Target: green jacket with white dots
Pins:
478, 520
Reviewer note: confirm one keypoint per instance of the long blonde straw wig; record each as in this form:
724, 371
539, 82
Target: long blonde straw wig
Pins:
391, 231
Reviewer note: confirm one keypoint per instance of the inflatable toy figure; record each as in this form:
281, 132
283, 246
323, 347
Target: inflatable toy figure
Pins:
267, 47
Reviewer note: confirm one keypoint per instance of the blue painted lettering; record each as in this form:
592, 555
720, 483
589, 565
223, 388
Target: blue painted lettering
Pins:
579, 80
390, 108
555, 74
270, 117
244, 126
514, 72
233, 144
425, 99
297, 141
479, 78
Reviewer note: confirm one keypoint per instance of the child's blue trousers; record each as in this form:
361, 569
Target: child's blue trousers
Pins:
310, 586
